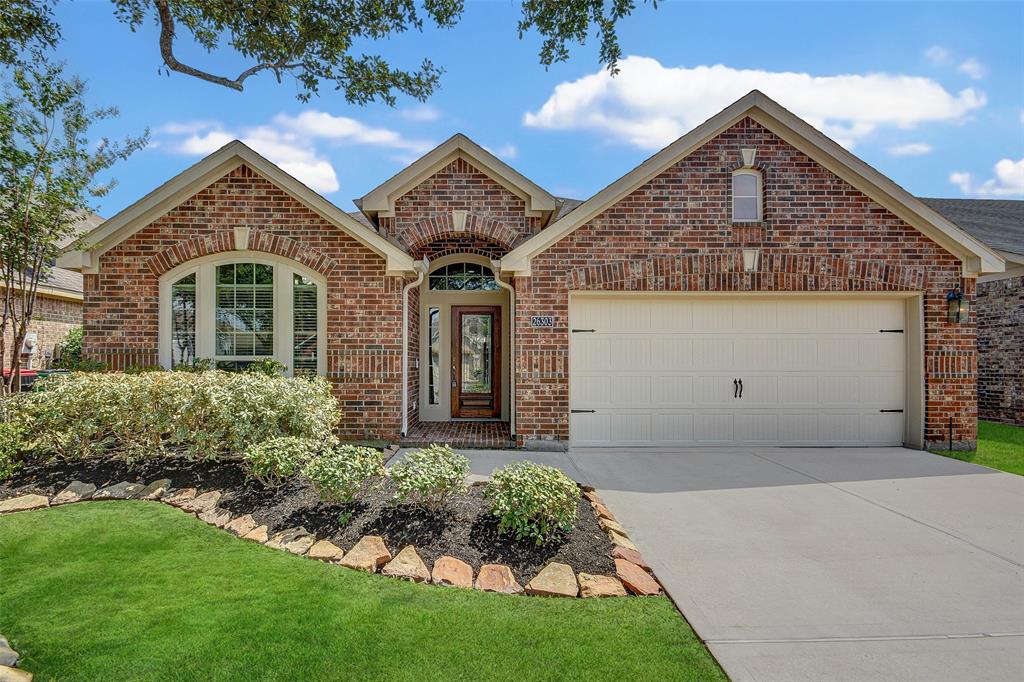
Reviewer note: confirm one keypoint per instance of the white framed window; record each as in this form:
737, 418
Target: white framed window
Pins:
240, 307
747, 195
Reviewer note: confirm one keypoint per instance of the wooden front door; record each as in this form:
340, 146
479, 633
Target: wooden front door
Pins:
476, 361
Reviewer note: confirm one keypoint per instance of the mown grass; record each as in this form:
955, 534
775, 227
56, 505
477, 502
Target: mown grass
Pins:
1000, 446
140, 591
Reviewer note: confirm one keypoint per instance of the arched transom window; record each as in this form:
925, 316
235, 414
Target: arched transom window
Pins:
747, 195
463, 277
239, 311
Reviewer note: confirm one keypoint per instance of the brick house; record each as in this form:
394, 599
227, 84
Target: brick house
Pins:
751, 283
57, 310
999, 302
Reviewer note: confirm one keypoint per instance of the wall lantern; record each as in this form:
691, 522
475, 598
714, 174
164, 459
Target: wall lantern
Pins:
750, 258
956, 306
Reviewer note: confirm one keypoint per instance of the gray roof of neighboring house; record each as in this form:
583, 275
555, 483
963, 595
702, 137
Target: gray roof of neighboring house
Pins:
69, 280
997, 222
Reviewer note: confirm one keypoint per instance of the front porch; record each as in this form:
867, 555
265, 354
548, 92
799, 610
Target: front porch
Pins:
460, 434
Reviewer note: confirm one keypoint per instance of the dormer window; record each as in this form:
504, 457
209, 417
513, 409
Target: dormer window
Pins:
747, 196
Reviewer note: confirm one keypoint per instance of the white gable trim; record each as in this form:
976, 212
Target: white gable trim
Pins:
85, 255
976, 256
380, 202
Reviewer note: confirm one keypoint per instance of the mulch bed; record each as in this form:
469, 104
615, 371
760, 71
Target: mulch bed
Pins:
465, 530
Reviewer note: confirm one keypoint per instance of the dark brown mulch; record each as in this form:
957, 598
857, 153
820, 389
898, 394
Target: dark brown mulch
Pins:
464, 530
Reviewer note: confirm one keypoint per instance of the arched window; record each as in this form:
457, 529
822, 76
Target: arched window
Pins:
463, 277
236, 310
747, 195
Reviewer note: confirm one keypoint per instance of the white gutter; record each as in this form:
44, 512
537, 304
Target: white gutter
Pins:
496, 265
421, 269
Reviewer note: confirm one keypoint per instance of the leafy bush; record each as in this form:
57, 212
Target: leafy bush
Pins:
273, 461
11, 446
428, 477
340, 474
70, 354
267, 366
204, 414
532, 501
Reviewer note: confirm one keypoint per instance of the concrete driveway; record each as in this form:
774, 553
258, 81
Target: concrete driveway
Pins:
830, 564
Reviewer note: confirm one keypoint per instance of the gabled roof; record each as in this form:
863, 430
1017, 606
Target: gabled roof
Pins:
84, 256
380, 202
976, 256
997, 222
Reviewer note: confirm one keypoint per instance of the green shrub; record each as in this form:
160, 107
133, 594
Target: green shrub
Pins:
340, 474
267, 366
11, 446
273, 461
70, 354
206, 415
532, 501
430, 476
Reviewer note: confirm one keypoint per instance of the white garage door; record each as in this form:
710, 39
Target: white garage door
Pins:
678, 371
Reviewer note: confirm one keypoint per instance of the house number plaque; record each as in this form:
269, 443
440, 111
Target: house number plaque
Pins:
542, 321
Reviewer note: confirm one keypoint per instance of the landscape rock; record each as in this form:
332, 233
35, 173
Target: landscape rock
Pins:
607, 525
497, 578
554, 580
119, 491
202, 503
630, 555
241, 526
180, 497
636, 579
451, 571
620, 539
75, 491
294, 540
8, 674
592, 496
155, 490
325, 550
407, 564
8, 656
368, 554
24, 503
216, 517
257, 535
602, 511
600, 586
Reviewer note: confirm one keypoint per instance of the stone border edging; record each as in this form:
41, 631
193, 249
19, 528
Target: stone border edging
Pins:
9, 671
370, 554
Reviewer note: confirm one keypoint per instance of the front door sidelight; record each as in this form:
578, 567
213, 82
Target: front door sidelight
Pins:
476, 361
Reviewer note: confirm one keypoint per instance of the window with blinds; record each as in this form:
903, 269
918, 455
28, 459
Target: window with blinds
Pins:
304, 311
183, 321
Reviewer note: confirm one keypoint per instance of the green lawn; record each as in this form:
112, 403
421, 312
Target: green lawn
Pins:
140, 591
1000, 446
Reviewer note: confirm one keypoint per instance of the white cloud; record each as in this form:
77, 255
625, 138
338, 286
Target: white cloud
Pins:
422, 113
1008, 180
1022, 117
911, 149
973, 68
649, 105
938, 55
506, 151
290, 142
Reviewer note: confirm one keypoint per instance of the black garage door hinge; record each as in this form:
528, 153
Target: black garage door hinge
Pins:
581, 331
582, 411
900, 411
891, 331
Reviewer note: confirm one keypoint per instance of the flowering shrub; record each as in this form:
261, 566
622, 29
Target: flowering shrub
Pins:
341, 473
273, 461
428, 477
205, 414
532, 501
11, 443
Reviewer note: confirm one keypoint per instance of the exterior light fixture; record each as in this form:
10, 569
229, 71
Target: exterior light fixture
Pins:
750, 259
956, 307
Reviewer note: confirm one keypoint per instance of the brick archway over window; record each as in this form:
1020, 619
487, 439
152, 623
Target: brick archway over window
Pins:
224, 240
724, 272
444, 226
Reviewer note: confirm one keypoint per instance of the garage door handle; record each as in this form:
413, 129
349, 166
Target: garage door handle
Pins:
582, 411
741, 388
735, 388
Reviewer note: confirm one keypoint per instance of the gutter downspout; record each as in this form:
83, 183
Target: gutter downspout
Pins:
496, 264
421, 269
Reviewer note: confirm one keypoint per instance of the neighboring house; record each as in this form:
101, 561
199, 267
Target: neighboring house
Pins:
751, 283
1000, 303
57, 309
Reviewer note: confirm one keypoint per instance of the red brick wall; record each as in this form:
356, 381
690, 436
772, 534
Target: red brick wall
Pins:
52, 319
1000, 305
675, 234
363, 305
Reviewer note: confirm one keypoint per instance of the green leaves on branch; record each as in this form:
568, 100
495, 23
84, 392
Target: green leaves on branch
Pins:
430, 477
533, 501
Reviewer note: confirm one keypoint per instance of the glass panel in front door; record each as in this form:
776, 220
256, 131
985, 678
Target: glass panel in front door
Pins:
477, 344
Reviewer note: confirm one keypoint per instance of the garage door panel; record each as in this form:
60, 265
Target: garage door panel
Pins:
760, 391
711, 315
798, 389
799, 428
755, 354
632, 390
591, 353
595, 389
713, 389
838, 353
630, 353
626, 317
711, 428
671, 353
883, 389
713, 352
671, 315
753, 427
798, 353
672, 391
839, 391
632, 427
755, 314
673, 429
882, 352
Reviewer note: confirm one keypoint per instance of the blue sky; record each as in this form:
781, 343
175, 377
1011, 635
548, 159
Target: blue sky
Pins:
932, 94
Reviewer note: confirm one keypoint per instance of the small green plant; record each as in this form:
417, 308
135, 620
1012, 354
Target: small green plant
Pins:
69, 351
430, 476
339, 474
11, 446
197, 365
532, 501
267, 366
272, 462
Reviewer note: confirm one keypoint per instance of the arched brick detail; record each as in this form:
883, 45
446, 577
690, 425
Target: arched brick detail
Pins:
724, 272
442, 226
224, 240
